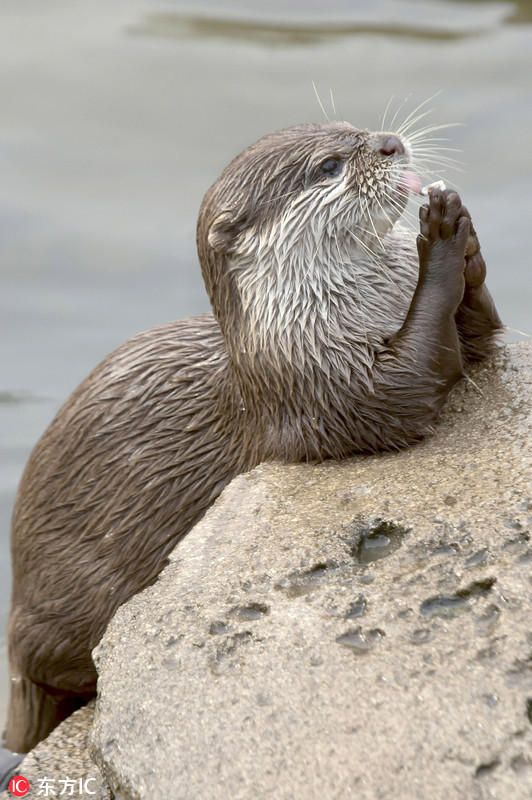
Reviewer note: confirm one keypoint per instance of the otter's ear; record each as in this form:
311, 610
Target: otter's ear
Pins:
223, 232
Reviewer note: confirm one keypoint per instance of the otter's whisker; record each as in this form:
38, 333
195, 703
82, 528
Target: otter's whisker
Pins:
373, 225
407, 98
366, 247
430, 162
366, 230
402, 130
470, 380
406, 214
394, 202
377, 262
418, 107
359, 307
434, 129
386, 111
361, 312
432, 158
515, 330
422, 143
438, 168
332, 102
390, 222
319, 101
432, 142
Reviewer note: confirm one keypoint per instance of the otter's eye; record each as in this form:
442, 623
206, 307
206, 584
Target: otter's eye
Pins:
331, 167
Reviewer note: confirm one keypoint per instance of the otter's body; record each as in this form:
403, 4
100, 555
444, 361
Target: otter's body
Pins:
330, 336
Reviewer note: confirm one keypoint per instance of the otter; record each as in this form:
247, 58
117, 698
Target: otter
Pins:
334, 331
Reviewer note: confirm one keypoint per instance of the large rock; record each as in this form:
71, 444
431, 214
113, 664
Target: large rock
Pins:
357, 629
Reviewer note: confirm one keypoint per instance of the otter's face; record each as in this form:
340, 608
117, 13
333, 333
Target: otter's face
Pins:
321, 180
289, 232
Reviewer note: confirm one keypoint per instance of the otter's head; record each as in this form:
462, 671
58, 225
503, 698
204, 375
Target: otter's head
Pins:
282, 226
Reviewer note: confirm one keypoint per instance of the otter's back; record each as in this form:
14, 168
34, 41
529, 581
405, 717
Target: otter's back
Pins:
119, 476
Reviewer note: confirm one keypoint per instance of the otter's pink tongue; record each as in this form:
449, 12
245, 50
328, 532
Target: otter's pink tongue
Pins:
411, 182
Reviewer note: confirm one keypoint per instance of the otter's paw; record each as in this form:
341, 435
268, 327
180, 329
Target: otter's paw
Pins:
444, 231
475, 266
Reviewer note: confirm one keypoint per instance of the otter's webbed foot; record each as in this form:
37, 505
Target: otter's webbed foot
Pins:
477, 319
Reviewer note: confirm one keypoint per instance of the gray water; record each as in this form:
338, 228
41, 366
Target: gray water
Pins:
116, 116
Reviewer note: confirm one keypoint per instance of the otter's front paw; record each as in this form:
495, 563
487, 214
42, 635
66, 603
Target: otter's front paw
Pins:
475, 266
444, 231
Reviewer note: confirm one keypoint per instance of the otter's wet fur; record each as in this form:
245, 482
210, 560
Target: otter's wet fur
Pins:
325, 340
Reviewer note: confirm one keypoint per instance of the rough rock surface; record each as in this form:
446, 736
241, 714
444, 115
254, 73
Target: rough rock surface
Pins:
357, 629
57, 765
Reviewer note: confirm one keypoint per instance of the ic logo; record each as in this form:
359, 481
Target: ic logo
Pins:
19, 785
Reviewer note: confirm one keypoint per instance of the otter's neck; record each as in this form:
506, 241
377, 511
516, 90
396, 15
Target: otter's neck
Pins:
309, 326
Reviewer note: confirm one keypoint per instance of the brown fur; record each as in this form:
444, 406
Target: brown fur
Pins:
151, 437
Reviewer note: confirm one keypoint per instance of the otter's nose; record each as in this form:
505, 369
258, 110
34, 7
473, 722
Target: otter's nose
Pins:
392, 146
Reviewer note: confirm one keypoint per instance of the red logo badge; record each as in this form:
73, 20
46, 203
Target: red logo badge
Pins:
19, 785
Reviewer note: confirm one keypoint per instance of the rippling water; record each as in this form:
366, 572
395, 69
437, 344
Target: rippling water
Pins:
117, 115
